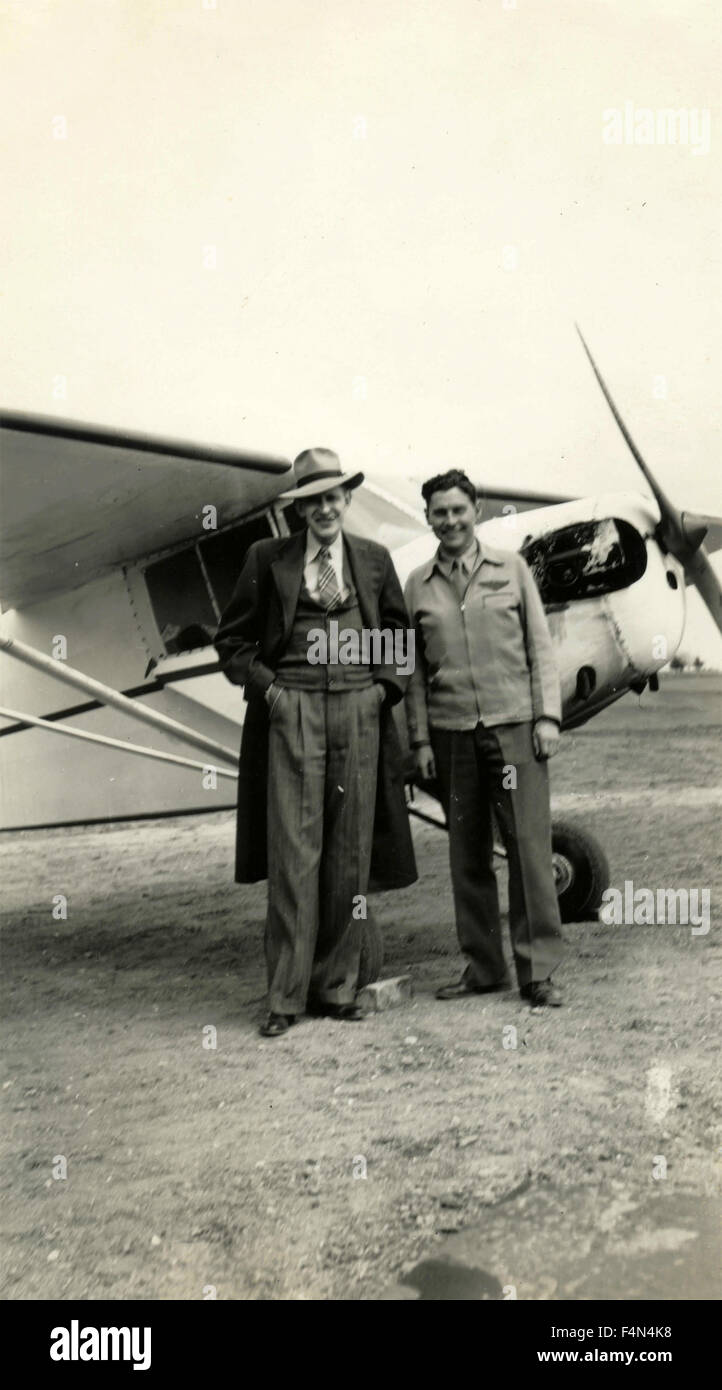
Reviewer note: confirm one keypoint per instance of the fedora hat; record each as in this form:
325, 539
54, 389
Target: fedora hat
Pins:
319, 470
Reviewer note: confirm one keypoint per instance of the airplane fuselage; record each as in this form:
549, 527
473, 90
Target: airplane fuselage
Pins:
615, 604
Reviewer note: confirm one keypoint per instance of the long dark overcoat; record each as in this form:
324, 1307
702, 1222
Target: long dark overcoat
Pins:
251, 637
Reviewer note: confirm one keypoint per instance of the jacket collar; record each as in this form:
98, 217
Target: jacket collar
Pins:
488, 554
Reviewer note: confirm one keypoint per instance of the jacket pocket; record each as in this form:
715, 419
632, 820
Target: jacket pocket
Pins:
501, 601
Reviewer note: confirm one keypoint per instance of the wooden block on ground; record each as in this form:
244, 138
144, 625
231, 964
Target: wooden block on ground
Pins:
385, 994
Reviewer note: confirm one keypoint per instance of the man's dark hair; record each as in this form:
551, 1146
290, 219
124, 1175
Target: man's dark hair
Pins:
443, 482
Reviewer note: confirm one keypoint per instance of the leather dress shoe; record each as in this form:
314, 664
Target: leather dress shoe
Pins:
464, 987
276, 1024
542, 994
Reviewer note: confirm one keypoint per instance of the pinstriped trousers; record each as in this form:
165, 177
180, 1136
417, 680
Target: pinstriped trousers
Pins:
473, 767
322, 766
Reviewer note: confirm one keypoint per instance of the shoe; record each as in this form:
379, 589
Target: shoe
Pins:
464, 987
542, 994
276, 1024
346, 1013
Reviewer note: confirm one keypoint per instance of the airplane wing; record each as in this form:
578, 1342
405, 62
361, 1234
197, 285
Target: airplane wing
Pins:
106, 529
504, 502
79, 500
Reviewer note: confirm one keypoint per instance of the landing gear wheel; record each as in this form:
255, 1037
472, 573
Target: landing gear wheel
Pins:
372, 952
581, 871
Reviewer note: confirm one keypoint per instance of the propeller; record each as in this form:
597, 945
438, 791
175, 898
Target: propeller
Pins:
682, 534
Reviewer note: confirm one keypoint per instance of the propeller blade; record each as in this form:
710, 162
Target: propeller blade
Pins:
672, 528
711, 525
699, 571
681, 532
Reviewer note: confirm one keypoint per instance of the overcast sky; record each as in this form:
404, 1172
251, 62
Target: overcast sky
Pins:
277, 223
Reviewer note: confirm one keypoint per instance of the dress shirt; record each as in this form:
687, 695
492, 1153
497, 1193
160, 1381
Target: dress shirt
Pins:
487, 656
311, 565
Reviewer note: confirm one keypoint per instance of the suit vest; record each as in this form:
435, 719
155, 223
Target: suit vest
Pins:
294, 668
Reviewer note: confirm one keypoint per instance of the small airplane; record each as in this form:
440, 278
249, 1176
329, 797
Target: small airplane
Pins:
119, 552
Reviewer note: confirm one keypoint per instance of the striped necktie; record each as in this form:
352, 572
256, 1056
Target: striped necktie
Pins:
328, 589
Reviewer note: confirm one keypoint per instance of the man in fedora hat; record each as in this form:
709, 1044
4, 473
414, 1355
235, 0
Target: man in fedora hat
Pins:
321, 802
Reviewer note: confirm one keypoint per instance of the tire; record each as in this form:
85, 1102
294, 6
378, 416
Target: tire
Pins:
372, 952
581, 871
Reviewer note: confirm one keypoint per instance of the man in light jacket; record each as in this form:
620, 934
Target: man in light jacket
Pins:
484, 710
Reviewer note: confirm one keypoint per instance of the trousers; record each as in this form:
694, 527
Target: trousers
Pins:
322, 769
494, 770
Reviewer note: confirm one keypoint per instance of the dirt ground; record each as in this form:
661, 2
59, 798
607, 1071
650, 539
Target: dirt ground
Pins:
325, 1164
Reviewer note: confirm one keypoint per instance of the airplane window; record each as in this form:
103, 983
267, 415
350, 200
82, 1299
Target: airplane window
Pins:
586, 560
181, 603
188, 593
223, 555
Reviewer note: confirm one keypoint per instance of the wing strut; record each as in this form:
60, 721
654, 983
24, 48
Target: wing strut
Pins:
60, 670
107, 742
